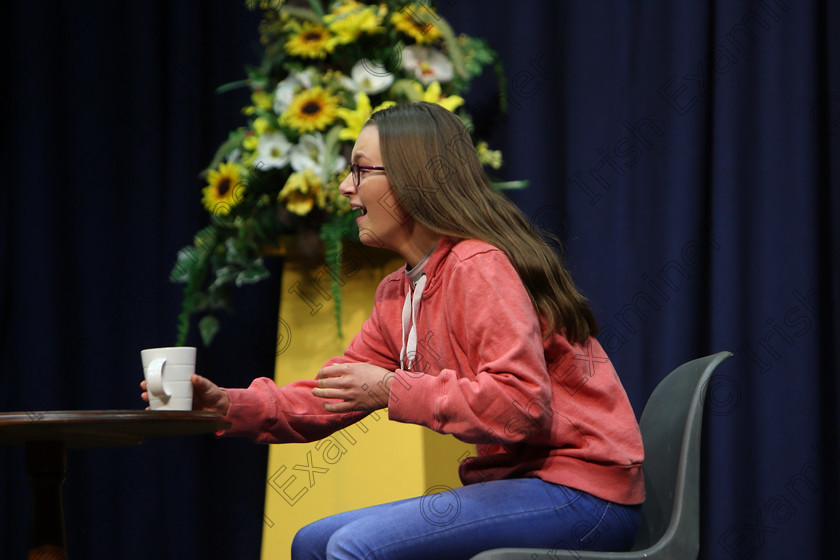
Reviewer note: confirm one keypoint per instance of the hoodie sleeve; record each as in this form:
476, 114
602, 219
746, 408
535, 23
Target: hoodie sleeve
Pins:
291, 413
501, 392
267, 413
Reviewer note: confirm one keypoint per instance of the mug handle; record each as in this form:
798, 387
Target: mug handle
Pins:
154, 377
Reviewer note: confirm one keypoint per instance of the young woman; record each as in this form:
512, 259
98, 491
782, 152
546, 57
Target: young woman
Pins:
482, 335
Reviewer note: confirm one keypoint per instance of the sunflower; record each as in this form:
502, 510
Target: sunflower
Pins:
311, 109
419, 28
310, 40
224, 189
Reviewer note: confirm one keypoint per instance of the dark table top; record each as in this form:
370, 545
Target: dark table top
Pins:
103, 428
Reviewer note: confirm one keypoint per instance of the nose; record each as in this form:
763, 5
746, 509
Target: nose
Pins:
347, 188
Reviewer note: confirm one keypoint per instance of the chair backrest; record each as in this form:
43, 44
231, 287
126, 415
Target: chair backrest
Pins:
671, 426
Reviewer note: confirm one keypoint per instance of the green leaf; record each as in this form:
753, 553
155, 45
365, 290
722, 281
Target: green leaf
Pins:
224, 88
332, 232
208, 326
224, 275
317, 8
256, 272
234, 140
234, 246
185, 265
303, 13
509, 185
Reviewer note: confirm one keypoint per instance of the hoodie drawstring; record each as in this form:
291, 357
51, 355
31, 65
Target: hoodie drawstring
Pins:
409, 323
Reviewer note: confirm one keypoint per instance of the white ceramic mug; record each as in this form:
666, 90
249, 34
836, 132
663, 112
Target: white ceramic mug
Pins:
168, 372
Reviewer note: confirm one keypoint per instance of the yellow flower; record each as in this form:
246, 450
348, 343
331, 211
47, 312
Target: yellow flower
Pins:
261, 125
310, 40
311, 109
433, 95
302, 192
356, 118
351, 18
262, 100
224, 189
486, 156
250, 142
417, 25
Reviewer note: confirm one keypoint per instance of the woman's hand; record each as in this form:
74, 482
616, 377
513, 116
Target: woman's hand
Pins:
207, 396
359, 386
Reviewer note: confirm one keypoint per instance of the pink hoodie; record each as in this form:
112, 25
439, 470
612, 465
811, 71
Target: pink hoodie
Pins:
482, 372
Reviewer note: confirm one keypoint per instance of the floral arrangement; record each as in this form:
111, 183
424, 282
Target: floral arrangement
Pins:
326, 69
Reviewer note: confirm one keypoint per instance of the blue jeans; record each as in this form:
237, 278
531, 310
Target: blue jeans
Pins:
459, 523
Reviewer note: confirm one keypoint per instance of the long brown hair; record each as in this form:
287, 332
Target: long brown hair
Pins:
434, 170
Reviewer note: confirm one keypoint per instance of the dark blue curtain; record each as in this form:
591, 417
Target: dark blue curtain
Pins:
685, 152
111, 114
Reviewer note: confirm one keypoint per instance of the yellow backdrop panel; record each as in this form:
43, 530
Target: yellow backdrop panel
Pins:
371, 462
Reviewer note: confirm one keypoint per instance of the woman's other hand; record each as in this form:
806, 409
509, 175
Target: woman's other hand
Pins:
360, 386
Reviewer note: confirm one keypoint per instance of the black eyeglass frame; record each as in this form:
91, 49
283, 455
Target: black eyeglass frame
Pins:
356, 172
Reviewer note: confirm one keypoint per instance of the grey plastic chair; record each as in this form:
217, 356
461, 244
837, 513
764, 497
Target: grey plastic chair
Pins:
671, 424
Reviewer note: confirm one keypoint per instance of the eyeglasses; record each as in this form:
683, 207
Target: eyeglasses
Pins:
356, 172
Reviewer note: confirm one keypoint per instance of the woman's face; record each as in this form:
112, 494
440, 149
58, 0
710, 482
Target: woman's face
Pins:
380, 217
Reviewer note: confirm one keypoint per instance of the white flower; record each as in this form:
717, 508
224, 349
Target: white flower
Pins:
273, 150
428, 64
370, 77
285, 91
311, 153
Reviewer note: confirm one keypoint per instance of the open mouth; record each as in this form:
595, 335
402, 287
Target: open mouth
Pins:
359, 210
